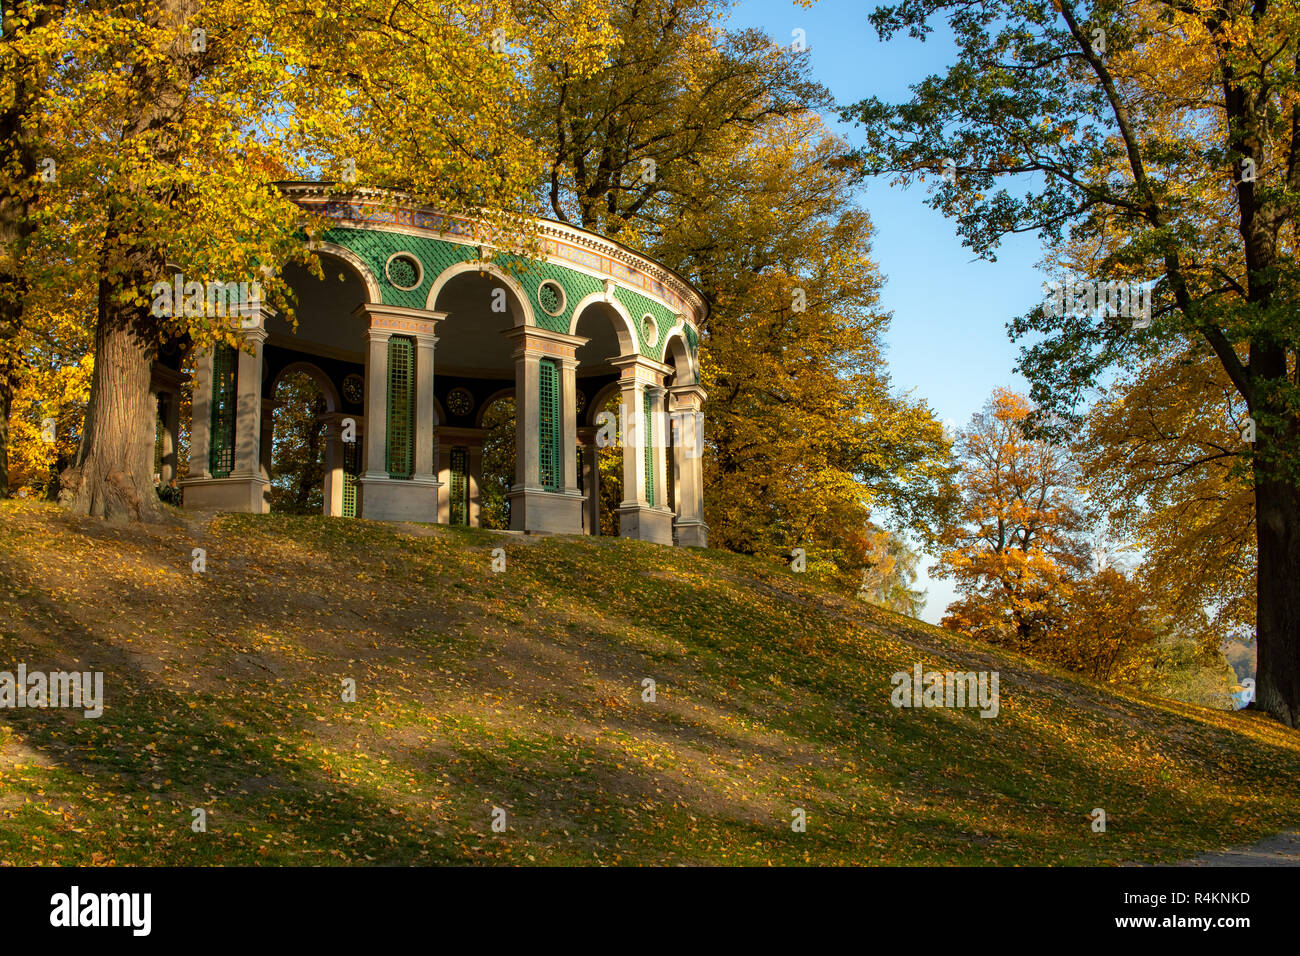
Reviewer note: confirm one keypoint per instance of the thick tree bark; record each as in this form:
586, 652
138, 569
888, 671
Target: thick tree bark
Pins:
113, 474
1277, 679
6, 405
16, 154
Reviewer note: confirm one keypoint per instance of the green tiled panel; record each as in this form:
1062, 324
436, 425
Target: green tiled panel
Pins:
648, 440
436, 255
225, 371
401, 407
638, 305
549, 426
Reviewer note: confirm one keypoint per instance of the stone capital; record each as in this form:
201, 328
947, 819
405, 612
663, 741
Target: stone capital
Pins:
532, 341
419, 324
641, 369
686, 397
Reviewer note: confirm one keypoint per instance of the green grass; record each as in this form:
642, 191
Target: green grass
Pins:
523, 690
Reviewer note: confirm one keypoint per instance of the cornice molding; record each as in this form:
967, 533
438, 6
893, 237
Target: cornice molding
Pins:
591, 252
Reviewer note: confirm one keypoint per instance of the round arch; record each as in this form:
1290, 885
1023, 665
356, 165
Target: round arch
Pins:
677, 354
597, 403
624, 329
488, 402
521, 299
333, 403
355, 262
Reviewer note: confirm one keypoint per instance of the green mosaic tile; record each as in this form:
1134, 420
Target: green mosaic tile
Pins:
375, 247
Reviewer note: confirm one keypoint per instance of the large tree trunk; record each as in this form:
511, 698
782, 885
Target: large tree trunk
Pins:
6, 403
18, 161
1277, 680
112, 476
113, 473
15, 228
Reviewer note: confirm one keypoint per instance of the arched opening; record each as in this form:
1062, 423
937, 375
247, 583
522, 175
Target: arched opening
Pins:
298, 443
498, 462
328, 345
474, 388
325, 309
609, 461
601, 468
678, 358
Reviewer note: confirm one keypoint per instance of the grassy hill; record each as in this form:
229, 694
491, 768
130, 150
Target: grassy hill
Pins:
523, 690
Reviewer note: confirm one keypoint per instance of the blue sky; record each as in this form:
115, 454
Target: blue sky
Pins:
947, 343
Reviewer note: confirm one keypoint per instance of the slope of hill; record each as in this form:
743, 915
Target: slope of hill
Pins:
523, 690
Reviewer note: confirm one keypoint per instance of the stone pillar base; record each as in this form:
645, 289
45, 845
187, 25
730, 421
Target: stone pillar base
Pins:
251, 495
395, 499
551, 512
692, 533
645, 524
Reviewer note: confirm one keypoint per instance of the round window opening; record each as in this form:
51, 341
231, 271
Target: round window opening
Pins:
404, 271
354, 389
551, 297
649, 329
460, 402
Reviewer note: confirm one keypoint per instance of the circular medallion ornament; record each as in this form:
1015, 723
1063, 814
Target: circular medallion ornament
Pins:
404, 271
649, 329
550, 296
354, 389
460, 402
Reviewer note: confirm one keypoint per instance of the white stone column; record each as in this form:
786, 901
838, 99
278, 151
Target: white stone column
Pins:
332, 506
373, 464
632, 436
246, 487
569, 419
659, 436
165, 384
425, 468
532, 507
171, 437
527, 423
201, 417
590, 481
637, 518
685, 403
267, 436
444, 483
380, 497
475, 482
248, 407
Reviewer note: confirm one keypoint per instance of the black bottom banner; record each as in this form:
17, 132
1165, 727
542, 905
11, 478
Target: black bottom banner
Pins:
336, 906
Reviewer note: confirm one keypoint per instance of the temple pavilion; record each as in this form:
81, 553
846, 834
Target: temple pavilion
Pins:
417, 330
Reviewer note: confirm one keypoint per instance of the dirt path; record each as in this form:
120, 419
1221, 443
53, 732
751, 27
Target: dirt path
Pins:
1280, 850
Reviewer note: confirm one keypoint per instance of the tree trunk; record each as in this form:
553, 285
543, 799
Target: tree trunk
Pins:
112, 476
15, 228
8, 365
18, 160
1277, 629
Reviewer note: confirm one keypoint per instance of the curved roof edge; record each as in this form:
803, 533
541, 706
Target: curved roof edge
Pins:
562, 243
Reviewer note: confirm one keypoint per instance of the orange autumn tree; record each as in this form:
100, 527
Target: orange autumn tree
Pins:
1163, 456
1017, 539
1110, 628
